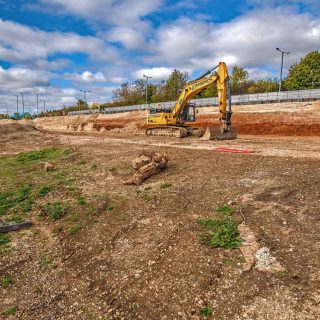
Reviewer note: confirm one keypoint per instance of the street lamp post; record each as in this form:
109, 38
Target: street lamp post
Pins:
44, 105
22, 102
17, 102
85, 95
147, 78
282, 54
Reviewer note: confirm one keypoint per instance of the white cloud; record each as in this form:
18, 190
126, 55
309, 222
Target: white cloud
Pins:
116, 12
129, 37
249, 40
86, 76
22, 44
157, 73
21, 79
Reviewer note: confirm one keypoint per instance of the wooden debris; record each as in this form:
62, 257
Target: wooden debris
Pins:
13, 226
140, 162
157, 164
48, 166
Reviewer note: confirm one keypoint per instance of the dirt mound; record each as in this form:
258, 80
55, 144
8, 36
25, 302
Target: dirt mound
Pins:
11, 128
282, 124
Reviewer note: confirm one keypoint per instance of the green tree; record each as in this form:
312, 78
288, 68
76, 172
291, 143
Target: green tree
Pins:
176, 81
305, 74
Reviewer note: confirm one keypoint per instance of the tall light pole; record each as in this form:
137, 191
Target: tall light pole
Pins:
22, 102
147, 78
37, 103
85, 94
16, 95
44, 105
282, 54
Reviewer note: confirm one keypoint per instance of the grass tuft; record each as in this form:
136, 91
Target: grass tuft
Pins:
221, 232
6, 282
206, 312
54, 210
225, 209
4, 239
43, 154
165, 185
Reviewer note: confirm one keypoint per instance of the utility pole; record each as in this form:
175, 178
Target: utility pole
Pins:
147, 78
85, 94
22, 102
37, 103
17, 102
44, 105
282, 54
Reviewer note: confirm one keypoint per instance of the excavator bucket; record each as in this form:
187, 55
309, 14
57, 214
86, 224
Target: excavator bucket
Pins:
216, 133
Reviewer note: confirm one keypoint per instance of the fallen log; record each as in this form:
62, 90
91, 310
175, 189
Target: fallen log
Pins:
13, 226
157, 164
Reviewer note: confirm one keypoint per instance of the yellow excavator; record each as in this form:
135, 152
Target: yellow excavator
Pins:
178, 121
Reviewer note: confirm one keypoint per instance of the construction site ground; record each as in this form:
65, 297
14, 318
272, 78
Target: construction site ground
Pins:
115, 251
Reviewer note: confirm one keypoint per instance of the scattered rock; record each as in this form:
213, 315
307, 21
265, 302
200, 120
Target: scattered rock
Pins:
249, 246
266, 262
48, 166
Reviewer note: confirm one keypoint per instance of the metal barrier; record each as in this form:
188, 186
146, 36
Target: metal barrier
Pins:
255, 98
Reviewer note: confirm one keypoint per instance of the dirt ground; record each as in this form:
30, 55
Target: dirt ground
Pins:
142, 258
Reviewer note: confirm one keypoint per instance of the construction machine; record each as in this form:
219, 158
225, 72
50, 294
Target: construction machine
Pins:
179, 121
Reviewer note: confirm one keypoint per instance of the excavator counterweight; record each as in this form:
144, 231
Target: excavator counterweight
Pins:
178, 121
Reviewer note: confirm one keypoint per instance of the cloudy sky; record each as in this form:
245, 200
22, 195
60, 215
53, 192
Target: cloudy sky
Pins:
56, 47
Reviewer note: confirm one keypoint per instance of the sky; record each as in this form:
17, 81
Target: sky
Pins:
58, 47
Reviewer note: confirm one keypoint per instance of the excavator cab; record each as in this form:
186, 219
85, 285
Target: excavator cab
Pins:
188, 114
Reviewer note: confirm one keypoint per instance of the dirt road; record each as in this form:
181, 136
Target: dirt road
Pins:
140, 256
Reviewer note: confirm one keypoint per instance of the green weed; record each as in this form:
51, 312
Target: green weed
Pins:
4, 239
81, 201
16, 219
221, 233
11, 311
54, 210
113, 169
165, 185
6, 282
43, 154
206, 312
74, 229
44, 191
225, 209
110, 208
20, 200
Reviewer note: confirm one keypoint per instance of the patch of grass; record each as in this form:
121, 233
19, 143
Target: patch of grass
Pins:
44, 190
19, 200
43, 154
81, 201
74, 229
110, 207
206, 312
45, 260
4, 239
225, 209
113, 169
6, 282
165, 185
54, 210
221, 232
11, 311
81, 162
15, 219
94, 167
147, 198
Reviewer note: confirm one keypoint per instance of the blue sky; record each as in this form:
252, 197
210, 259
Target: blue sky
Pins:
56, 47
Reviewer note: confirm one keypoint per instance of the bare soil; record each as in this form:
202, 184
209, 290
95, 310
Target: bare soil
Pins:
144, 260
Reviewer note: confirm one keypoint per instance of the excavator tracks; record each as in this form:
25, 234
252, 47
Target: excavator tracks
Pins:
167, 131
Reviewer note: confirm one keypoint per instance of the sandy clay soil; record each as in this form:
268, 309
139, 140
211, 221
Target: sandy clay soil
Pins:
143, 259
